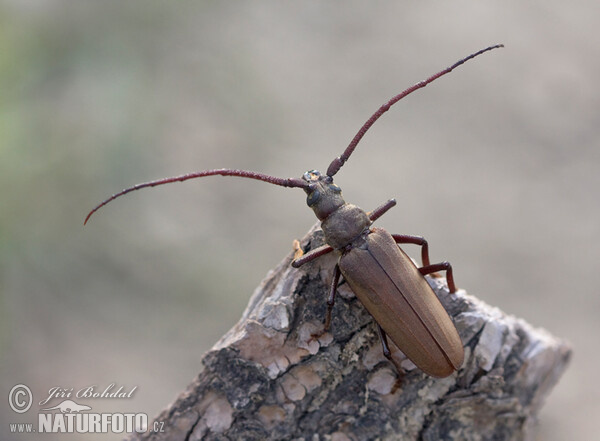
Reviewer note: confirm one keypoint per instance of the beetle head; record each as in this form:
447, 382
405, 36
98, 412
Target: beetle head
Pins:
324, 197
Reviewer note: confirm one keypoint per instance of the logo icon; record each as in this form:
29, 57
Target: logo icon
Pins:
20, 398
69, 406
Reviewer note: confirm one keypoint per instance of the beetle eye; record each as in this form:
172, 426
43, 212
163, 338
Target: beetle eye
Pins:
313, 198
335, 188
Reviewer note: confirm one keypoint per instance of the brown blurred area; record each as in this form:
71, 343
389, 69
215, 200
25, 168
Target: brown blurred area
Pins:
495, 164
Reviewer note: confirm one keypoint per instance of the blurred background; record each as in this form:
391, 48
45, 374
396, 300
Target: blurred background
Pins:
495, 164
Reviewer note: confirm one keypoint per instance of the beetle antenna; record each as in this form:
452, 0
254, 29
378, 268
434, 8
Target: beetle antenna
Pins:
289, 182
338, 162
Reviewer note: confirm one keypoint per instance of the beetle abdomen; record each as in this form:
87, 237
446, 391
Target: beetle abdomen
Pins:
399, 298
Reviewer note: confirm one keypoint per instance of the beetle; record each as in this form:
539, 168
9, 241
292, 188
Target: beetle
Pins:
386, 281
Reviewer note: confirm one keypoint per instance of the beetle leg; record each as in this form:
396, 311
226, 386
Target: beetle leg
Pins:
444, 266
330, 301
427, 266
381, 210
388, 354
417, 240
302, 258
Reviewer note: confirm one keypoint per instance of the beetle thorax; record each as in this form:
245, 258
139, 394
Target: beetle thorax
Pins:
345, 225
341, 222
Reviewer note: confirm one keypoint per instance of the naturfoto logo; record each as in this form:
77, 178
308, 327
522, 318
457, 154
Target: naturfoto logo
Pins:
65, 414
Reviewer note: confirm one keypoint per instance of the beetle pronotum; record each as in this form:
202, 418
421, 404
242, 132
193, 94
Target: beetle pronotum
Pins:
390, 286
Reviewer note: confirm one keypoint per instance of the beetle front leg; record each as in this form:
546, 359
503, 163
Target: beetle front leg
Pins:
444, 266
330, 301
300, 258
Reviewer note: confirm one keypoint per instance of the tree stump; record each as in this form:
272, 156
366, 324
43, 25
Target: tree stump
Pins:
268, 379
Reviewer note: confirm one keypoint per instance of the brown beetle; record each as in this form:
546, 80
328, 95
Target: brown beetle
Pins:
382, 276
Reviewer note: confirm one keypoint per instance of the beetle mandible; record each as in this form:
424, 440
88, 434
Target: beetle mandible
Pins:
386, 281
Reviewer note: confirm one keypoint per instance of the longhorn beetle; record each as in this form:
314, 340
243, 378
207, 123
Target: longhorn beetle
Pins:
390, 286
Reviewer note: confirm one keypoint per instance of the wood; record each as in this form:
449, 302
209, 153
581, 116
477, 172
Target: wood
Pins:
268, 379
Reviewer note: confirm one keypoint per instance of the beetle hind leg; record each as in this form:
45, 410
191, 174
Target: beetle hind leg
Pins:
388, 354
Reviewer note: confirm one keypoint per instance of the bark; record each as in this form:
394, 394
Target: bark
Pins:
268, 379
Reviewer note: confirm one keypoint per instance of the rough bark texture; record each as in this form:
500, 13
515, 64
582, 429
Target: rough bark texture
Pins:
268, 379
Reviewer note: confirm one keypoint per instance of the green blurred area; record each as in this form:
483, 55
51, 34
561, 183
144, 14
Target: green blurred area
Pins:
495, 164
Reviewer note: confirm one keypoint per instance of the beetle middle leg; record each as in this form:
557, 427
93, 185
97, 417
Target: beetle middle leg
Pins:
427, 267
416, 240
444, 266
